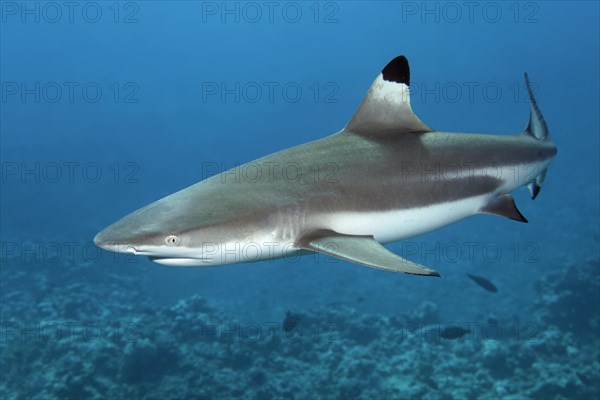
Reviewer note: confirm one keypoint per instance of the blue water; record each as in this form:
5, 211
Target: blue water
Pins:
108, 106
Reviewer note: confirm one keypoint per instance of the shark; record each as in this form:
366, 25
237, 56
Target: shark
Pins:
386, 176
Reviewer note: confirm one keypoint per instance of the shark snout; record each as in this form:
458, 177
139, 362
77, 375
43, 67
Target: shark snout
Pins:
105, 245
104, 241
101, 241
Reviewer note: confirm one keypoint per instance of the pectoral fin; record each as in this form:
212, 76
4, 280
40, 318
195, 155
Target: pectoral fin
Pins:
362, 250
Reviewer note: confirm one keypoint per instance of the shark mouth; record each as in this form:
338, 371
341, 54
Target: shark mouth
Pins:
181, 261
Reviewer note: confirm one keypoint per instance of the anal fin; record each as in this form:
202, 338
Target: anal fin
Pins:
362, 250
504, 206
536, 185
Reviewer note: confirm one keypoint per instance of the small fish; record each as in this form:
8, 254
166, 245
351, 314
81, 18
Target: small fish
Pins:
484, 283
291, 321
583, 378
454, 332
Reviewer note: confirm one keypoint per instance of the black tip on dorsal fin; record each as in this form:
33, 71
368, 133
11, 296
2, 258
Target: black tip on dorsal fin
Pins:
397, 71
386, 110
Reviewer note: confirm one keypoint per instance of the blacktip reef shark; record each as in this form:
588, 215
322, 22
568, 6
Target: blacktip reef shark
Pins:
390, 177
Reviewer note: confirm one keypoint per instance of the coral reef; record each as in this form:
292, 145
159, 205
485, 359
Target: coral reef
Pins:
63, 339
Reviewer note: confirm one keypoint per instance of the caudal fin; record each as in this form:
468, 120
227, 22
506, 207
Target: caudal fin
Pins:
537, 125
538, 129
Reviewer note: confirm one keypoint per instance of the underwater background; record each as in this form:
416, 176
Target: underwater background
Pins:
108, 106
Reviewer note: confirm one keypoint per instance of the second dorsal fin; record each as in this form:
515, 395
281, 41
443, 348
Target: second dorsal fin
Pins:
386, 107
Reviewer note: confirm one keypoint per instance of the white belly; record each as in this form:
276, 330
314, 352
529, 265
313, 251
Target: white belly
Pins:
390, 226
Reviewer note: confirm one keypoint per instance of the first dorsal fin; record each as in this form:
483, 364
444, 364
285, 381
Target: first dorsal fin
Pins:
386, 107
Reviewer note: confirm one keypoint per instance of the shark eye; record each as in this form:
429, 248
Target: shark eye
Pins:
172, 240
